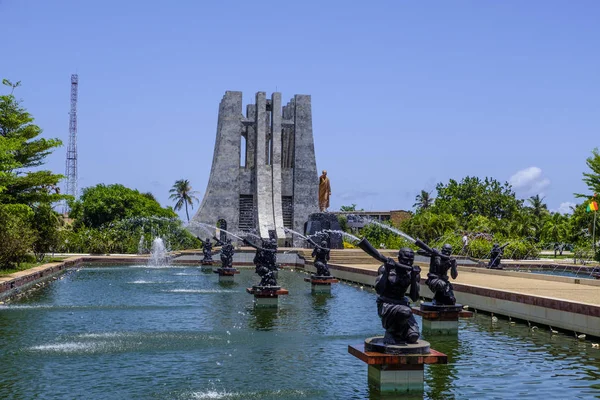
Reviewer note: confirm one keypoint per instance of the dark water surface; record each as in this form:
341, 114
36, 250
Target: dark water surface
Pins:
176, 333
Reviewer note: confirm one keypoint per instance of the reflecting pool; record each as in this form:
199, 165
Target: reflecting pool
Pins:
123, 332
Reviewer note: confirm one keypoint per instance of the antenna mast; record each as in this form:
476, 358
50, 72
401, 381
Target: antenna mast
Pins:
71, 168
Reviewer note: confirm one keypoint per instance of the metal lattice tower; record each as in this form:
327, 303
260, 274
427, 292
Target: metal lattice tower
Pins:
71, 168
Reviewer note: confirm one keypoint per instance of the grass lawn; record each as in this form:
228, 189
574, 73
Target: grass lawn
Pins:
24, 266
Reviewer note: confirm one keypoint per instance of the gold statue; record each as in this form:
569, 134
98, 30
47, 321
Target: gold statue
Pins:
324, 192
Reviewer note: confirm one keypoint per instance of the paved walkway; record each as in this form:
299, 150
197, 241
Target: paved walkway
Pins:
534, 284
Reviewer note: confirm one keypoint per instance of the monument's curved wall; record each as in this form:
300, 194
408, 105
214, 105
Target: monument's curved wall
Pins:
276, 184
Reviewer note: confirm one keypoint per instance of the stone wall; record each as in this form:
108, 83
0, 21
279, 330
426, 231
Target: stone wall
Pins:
279, 174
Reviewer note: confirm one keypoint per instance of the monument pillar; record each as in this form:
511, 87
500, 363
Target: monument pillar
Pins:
276, 165
306, 188
278, 182
264, 176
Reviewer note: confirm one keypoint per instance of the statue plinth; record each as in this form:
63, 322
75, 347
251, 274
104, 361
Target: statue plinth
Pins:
321, 284
318, 222
396, 368
441, 319
226, 274
206, 265
267, 296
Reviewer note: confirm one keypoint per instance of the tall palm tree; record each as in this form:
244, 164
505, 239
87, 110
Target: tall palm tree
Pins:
423, 200
539, 211
183, 194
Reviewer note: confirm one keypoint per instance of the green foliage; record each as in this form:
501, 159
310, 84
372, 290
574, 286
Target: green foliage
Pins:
21, 150
592, 179
27, 222
343, 220
538, 212
102, 204
183, 194
378, 235
480, 248
428, 226
16, 235
124, 236
45, 223
423, 201
350, 208
473, 196
556, 229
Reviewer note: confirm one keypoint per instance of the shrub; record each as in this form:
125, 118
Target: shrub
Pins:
16, 235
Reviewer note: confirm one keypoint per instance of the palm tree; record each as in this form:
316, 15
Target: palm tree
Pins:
423, 200
539, 211
183, 194
555, 230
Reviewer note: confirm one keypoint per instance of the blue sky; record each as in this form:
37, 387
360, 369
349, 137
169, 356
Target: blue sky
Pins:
405, 94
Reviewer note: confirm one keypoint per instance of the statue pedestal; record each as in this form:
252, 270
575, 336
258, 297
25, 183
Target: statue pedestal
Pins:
441, 320
318, 222
206, 265
396, 368
226, 274
267, 296
320, 284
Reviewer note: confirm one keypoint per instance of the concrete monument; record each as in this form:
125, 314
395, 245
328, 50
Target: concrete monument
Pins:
264, 175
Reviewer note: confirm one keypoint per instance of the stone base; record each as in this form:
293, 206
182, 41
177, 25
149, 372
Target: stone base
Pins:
321, 284
226, 278
207, 262
440, 327
318, 222
442, 319
266, 296
226, 274
393, 378
401, 371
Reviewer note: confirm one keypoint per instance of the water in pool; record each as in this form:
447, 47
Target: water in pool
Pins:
123, 332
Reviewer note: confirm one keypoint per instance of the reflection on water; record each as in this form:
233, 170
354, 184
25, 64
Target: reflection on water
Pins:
159, 333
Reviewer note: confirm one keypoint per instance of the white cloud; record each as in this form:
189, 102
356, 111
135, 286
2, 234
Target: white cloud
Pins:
565, 207
529, 181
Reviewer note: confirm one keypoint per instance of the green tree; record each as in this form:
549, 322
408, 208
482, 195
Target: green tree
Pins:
521, 225
555, 231
592, 179
423, 201
183, 194
21, 150
45, 223
429, 226
102, 204
350, 208
539, 213
16, 234
473, 196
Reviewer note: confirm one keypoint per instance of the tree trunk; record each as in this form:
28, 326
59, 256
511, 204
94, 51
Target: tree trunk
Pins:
186, 212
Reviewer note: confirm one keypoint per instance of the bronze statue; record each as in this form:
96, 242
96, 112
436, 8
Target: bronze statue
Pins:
392, 282
206, 250
226, 252
265, 261
437, 278
324, 192
321, 255
496, 256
